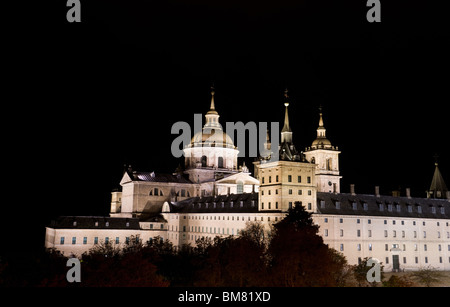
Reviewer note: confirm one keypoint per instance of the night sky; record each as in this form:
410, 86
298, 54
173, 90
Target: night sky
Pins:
90, 97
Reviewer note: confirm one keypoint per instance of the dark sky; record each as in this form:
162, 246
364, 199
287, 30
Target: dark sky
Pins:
94, 95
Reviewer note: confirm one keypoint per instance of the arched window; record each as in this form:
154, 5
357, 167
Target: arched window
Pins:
220, 162
240, 187
204, 160
329, 164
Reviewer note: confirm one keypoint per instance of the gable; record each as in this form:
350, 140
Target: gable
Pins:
233, 179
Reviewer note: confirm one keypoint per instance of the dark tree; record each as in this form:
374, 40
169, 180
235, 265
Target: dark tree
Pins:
298, 256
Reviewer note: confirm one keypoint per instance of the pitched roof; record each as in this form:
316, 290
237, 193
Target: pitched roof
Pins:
156, 177
233, 203
89, 222
438, 184
371, 205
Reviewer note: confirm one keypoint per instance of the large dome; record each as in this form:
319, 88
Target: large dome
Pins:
211, 137
321, 142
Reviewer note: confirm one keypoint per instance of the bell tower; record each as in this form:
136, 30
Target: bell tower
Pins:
326, 158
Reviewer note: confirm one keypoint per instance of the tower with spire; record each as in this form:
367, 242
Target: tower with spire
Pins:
288, 180
326, 158
438, 189
211, 152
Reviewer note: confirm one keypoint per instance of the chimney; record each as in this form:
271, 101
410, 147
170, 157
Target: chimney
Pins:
408, 192
377, 191
352, 189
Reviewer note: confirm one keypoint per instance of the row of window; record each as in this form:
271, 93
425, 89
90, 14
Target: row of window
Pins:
394, 233
416, 260
290, 192
159, 192
227, 217
390, 207
309, 207
127, 224
396, 246
369, 221
222, 204
96, 240
299, 179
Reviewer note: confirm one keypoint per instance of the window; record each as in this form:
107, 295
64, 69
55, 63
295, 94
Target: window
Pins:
385, 233
386, 247
270, 179
433, 210
96, 240
299, 179
290, 191
96, 224
381, 207
442, 210
276, 205
117, 240
127, 224
365, 206
276, 178
162, 226
409, 208
299, 192
370, 246
341, 232
326, 221
322, 204
397, 207
341, 220
358, 233
338, 205
262, 205
425, 247
354, 206
107, 224
204, 161
61, 241
269, 205
358, 221
394, 233
290, 205
309, 192
309, 206
370, 233
389, 207
308, 179
419, 209
220, 162
74, 223
289, 178
107, 240
74, 240
84, 240
262, 180
341, 247
240, 187
358, 247
404, 259
326, 233
183, 193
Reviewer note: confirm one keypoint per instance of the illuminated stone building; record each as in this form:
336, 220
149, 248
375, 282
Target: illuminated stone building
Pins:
214, 196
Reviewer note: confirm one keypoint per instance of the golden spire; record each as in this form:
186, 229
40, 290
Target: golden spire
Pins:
212, 109
286, 127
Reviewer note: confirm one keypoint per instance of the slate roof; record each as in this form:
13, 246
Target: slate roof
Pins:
158, 177
219, 204
327, 203
88, 222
